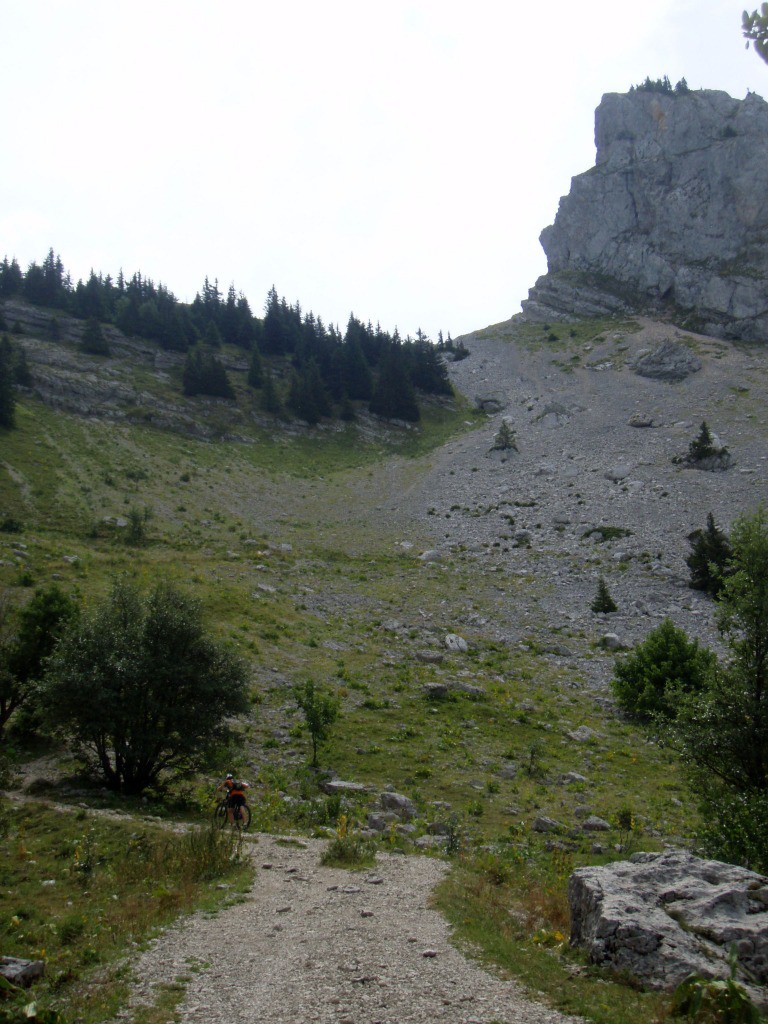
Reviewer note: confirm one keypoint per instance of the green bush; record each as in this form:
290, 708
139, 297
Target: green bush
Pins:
348, 849
715, 1000
721, 733
735, 828
646, 680
141, 688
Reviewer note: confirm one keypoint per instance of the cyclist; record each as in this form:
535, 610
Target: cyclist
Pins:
235, 796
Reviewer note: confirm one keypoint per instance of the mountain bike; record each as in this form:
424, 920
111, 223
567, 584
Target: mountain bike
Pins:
242, 816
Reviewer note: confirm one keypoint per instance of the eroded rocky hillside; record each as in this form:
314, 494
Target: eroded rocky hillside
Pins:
594, 488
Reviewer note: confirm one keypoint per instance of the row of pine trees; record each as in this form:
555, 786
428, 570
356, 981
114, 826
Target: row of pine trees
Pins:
299, 364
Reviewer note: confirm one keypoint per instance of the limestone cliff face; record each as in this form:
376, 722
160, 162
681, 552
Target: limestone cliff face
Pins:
673, 216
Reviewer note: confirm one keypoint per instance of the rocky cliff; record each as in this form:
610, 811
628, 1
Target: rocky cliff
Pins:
673, 217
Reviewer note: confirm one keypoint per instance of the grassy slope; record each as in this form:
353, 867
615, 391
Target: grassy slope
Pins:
294, 550
326, 608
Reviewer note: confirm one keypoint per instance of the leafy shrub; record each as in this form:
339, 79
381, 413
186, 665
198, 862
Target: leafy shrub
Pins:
321, 709
141, 687
735, 828
136, 532
497, 869
16, 1008
348, 849
646, 680
722, 732
715, 1001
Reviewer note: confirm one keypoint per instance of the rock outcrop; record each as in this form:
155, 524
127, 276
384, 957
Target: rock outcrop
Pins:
663, 916
672, 218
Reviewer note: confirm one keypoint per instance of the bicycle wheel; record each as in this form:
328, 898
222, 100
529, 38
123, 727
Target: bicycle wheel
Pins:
220, 814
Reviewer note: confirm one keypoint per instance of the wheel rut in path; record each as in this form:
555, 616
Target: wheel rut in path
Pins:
317, 944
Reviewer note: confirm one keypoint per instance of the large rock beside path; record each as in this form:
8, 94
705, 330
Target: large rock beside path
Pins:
662, 916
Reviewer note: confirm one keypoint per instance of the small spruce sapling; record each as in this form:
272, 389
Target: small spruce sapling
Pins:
709, 558
603, 602
505, 439
703, 446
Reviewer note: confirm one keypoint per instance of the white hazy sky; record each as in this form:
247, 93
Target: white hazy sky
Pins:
397, 160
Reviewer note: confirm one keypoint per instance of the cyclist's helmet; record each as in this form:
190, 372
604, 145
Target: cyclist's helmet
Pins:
230, 776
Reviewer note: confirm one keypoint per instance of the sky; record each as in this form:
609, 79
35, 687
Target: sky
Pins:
393, 160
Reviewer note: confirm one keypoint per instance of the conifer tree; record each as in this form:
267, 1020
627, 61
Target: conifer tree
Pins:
428, 372
603, 602
270, 399
703, 446
193, 372
22, 376
307, 398
394, 397
94, 341
7, 397
709, 558
212, 335
505, 439
11, 278
204, 375
255, 369
722, 732
347, 412
357, 380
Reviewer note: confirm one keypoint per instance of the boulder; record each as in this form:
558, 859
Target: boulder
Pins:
468, 688
595, 824
430, 556
670, 362
544, 824
378, 821
617, 473
21, 972
334, 786
581, 735
454, 642
435, 691
718, 462
611, 642
639, 419
401, 805
662, 916
491, 402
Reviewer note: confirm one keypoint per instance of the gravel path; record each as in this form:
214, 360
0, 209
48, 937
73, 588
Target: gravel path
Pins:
312, 943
